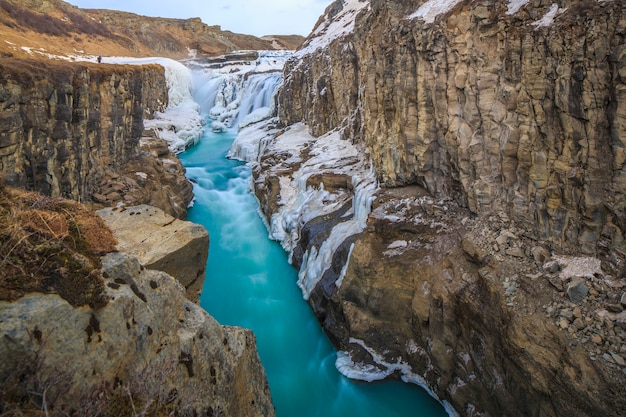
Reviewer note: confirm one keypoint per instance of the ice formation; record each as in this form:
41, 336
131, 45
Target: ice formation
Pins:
180, 124
380, 369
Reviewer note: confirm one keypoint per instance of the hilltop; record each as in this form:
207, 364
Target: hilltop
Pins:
51, 28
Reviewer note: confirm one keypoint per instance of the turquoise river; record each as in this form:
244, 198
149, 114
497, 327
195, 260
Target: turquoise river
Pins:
250, 283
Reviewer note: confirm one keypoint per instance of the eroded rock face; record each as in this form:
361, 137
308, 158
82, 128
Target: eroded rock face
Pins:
492, 109
150, 343
501, 131
162, 242
155, 177
63, 125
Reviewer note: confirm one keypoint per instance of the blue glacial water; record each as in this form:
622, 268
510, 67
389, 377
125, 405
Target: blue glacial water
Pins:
249, 283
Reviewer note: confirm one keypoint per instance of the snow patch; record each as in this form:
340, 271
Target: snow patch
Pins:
433, 8
333, 28
578, 266
398, 244
548, 19
515, 5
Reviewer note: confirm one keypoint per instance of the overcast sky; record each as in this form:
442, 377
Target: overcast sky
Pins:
254, 17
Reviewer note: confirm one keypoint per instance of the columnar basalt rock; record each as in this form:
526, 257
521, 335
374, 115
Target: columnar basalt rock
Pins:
508, 121
490, 108
62, 125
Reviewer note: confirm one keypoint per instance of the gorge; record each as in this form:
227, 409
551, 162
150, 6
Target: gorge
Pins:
445, 176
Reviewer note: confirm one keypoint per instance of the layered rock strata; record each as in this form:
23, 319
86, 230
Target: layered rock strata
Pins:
149, 349
161, 242
492, 272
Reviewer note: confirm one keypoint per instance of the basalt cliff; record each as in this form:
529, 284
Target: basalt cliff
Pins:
490, 269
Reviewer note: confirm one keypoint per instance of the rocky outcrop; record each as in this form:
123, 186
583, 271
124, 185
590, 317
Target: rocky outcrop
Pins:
76, 131
494, 109
155, 177
149, 349
63, 125
161, 242
491, 267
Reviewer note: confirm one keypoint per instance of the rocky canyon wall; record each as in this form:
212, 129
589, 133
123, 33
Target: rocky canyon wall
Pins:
69, 130
491, 269
492, 108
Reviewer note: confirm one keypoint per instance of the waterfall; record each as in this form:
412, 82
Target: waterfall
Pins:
302, 367
240, 94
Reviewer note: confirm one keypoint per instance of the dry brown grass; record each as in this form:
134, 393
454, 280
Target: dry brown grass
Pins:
52, 246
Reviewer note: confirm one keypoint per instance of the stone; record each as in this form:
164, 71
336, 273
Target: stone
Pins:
614, 308
568, 314
148, 337
474, 251
556, 282
577, 313
579, 324
516, 251
623, 300
162, 242
540, 255
552, 267
577, 290
597, 339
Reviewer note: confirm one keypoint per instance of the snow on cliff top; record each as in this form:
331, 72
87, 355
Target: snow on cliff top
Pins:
548, 19
333, 28
433, 8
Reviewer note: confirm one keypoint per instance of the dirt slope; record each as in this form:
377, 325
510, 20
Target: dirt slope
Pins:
48, 28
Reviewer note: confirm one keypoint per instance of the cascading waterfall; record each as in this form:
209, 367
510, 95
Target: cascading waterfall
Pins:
249, 281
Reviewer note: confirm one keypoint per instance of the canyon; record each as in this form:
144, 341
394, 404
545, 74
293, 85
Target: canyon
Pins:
447, 177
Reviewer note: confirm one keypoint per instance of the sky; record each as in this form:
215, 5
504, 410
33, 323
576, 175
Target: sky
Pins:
252, 17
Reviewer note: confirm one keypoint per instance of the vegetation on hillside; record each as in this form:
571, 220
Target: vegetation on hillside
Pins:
51, 245
22, 17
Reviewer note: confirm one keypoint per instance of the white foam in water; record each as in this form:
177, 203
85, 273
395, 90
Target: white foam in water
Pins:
243, 99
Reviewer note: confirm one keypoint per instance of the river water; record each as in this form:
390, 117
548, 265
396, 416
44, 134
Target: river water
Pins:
250, 283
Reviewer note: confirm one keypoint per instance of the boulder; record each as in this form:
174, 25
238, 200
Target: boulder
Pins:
577, 290
148, 347
162, 242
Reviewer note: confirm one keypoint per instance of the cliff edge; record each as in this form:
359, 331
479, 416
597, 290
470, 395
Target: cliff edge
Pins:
490, 268
92, 335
